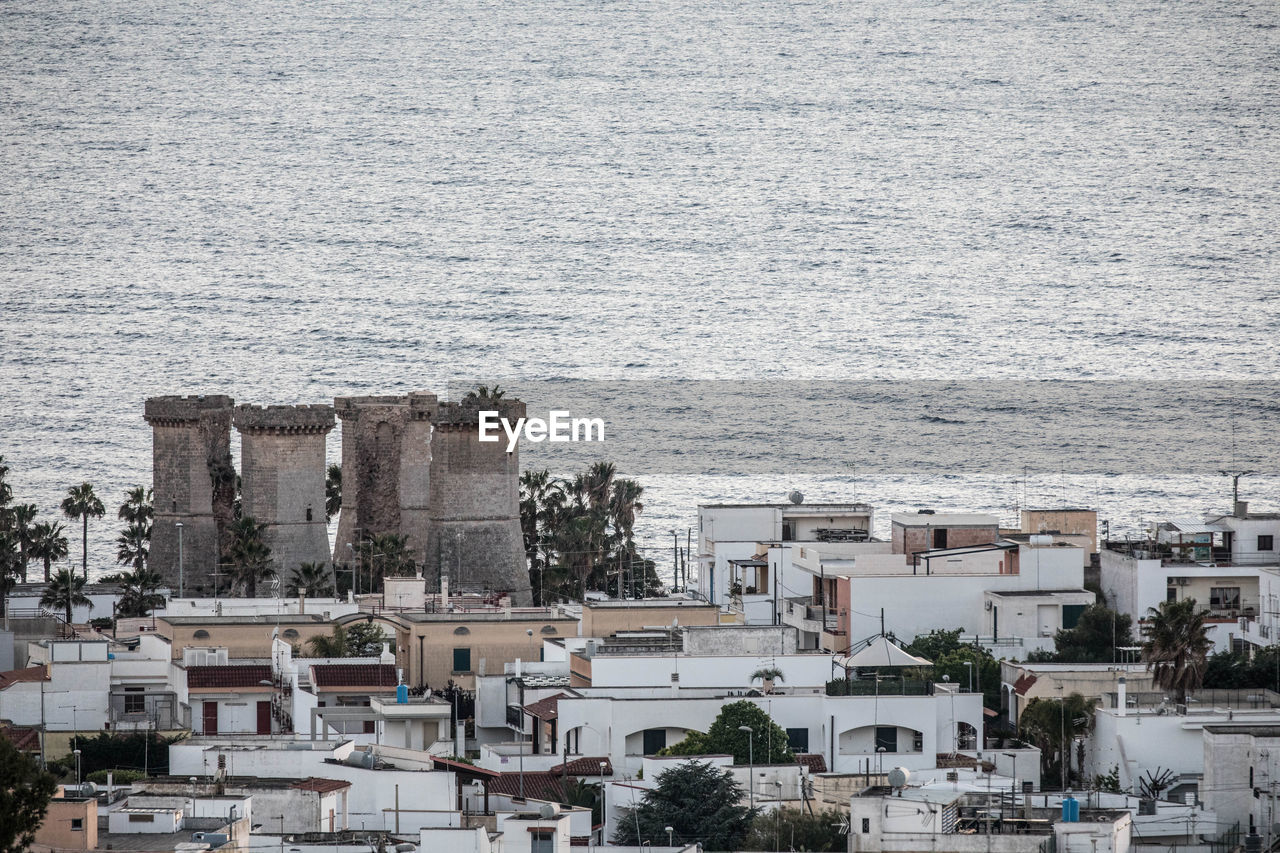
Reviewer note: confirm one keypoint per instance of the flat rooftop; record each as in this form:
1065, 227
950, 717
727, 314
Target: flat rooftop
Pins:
265, 619
815, 509
944, 519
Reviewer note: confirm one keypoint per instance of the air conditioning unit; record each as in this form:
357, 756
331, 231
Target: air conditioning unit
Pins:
1182, 581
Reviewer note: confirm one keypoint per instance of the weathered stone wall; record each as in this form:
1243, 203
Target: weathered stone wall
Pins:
282, 460
191, 468
475, 533
372, 429
415, 473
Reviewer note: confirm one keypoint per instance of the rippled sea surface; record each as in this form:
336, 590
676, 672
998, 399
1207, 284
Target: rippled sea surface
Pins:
294, 200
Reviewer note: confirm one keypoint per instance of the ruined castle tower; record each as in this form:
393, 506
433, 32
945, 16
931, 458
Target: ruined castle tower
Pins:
282, 462
193, 481
414, 466
475, 535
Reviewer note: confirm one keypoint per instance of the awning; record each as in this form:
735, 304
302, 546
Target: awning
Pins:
878, 651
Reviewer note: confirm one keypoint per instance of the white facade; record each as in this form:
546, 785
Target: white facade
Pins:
1240, 760
73, 699
843, 729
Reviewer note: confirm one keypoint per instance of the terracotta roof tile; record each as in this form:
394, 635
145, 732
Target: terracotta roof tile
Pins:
248, 675
546, 709
1024, 682
538, 785
354, 675
24, 738
13, 676
815, 762
321, 786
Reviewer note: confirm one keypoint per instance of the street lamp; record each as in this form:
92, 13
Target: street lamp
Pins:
180, 573
969, 666
669, 831
76, 753
603, 764
751, 763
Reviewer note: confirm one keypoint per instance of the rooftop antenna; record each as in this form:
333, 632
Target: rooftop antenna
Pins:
1235, 484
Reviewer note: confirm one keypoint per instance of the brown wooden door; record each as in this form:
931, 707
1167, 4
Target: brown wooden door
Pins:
211, 718
264, 718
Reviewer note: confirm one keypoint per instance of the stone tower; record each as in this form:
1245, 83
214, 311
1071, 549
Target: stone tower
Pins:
282, 463
194, 484
414, 466
475, 535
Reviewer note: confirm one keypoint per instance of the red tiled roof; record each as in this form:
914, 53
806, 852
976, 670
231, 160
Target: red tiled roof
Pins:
13, 676
354, 675
249, 675
815, 762
321, 786
23, 738
546, 709
585, 766
1024, 682
538, 784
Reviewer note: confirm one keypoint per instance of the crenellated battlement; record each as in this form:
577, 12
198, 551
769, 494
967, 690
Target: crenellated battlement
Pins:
466, 413
284, 420
172, 410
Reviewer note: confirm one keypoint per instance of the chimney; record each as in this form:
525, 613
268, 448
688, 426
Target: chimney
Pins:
302, 599
519, 671
1122, 697
444, 592
1242, 509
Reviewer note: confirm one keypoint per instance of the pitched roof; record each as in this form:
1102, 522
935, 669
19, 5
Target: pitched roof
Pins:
320, 786
1024, 682
584, 766
815, 762
231, 675
13, 676
538, 784
23, 738
546, 709
354, 675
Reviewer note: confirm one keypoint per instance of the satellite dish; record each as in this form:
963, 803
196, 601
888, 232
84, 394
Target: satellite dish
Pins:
898, 777
795, 496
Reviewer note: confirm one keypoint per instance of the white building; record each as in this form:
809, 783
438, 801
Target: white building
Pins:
1242, 774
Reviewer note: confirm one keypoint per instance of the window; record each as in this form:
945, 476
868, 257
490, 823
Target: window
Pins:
461, 631
940, 538
866, 824
201, 634
135, 703
308, 513
1224, 598
548, 629
887, 738
542, 841
654, 740
788, 531
1266, 543
142, 818
798, 740
77, 824
290, 634
1071, 615
1171, 594
462, 660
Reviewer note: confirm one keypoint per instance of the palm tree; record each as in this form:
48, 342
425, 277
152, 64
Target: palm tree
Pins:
6, 492
65, 591
1176, 648
9, 565
48, 544
133, 545
767, 675
332, 491
81, 503
138, 595
326, 646
250, 556
22, 522
482, 393
137, 507
316, 578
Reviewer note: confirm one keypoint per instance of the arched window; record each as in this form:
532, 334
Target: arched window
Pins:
462, 629
201, 634
548, 629
290, 634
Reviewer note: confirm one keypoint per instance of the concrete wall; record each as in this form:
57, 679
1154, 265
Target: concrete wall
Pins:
911, 540
193, 481
242, 637
604, 619
68, 825
496, 641
1078, 522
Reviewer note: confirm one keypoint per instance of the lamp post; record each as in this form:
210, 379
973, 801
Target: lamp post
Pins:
751, 764
669, 832
777, 814
969, 666
602, 803
76, 753
181, 588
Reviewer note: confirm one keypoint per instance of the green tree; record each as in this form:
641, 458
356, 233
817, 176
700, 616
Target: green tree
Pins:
10, 566
81, 503
766, 744
136, 508
950, 657
25, 792
1176, 646
133, 545
250, 556
1052, 725
128, 751
138, 592
22, 519
332, 491
935, 644
767, 675
364, 639
793, 829
316, 578
49, 544
64, 592
699, 802
1095, 637
328, 645
6, 491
